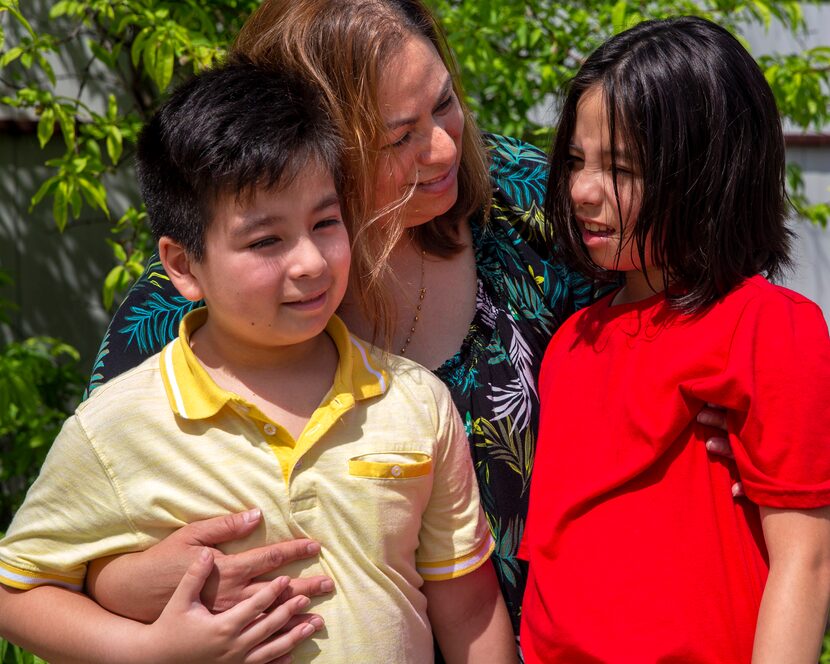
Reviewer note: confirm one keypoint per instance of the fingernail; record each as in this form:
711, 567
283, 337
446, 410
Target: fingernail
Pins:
710, 445
204, 554
308, 630
303, 602
317, 621
736, 491
327, 585
312, 548
252, 515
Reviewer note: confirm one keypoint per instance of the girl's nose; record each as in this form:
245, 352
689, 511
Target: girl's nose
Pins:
586, 188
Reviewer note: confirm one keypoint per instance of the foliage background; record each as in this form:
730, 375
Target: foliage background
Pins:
512, 55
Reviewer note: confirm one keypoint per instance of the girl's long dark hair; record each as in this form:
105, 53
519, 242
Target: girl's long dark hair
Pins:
699, 121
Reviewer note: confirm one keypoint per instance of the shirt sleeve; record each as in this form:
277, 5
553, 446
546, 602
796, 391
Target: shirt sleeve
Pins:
455, 538
778, 370
146, 321
72, 514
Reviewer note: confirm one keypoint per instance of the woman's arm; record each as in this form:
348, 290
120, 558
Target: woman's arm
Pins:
66, 627
139, 585
469, 619
796, 601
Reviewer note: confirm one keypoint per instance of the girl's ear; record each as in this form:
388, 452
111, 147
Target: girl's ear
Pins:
178, 265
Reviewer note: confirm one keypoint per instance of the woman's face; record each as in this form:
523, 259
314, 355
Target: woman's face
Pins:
422, 144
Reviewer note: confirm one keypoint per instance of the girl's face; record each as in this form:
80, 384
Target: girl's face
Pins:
422, 146
606, 224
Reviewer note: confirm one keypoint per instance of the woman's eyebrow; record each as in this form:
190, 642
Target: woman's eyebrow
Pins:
445, 90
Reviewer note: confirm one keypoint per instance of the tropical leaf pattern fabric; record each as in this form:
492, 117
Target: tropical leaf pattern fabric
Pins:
523, 296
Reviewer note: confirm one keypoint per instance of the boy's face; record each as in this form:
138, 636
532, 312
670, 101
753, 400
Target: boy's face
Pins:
276, 264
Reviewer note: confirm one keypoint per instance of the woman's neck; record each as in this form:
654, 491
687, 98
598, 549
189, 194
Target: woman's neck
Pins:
639, 285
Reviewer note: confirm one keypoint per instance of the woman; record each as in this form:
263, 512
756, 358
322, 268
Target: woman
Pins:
460, 275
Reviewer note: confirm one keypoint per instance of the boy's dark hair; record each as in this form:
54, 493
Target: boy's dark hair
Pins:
229, 131
699, 122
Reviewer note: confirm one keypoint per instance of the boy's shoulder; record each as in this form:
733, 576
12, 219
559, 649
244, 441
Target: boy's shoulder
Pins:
125, 391
759, 299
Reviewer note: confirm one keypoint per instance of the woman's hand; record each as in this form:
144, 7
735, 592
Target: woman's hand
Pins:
714, 416
252, 632
139, 585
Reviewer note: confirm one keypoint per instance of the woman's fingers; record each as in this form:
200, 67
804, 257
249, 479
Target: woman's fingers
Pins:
712, 415
720, 447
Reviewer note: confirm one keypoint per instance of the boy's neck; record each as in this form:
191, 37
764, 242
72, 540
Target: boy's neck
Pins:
286, 383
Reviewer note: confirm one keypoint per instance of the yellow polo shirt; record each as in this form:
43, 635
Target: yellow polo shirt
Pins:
381, 477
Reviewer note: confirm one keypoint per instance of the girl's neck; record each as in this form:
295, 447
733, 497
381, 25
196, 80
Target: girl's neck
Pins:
640, 286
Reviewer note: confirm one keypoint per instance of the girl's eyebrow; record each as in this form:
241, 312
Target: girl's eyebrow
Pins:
445, 90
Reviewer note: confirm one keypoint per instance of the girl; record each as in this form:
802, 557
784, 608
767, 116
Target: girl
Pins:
668, 166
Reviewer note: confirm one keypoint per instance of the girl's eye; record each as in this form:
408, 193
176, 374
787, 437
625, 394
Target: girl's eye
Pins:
327, 223
573, 163
263, 243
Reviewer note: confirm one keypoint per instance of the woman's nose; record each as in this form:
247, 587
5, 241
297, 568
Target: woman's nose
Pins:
586, 188
440, 148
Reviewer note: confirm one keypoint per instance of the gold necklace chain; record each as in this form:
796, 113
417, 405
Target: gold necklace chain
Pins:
422, 292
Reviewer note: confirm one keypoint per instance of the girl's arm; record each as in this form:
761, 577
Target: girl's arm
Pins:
139, 585
66, 627
469, 619
796, 601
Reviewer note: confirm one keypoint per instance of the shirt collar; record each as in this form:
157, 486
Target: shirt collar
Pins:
194, 395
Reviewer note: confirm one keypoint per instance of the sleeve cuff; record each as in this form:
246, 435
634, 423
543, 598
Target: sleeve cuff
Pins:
14, 577
451, 569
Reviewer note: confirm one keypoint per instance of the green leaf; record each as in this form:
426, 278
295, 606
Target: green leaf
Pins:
618, 12
60, 207
46, 126
45, 189
59, 9
10, 56
95, 194
115, 144
111, 283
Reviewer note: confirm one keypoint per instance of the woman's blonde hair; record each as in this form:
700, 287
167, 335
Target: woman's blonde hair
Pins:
344, 46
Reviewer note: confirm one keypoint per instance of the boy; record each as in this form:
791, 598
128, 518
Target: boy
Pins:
266, 400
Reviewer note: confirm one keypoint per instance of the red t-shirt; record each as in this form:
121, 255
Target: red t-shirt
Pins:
637, 550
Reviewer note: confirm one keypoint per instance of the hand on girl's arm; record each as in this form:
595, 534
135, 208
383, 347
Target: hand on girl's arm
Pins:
139, 585
469, 619
712, 415
796, 601
65, 627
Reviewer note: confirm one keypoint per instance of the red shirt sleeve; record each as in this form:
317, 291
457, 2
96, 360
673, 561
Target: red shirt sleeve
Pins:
776, 382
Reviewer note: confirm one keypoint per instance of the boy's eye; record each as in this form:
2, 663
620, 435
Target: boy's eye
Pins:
327, 223
263, 243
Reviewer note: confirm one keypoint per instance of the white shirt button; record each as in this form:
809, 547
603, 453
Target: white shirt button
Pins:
269, 429
396, 471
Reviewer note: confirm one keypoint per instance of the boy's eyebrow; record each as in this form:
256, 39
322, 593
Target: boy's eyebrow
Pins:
251, 224
394, 124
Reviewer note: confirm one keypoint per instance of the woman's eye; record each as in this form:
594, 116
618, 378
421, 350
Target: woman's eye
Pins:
403, 140
444, 105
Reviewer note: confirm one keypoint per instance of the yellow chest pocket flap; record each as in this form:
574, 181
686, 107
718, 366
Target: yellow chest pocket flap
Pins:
391, 465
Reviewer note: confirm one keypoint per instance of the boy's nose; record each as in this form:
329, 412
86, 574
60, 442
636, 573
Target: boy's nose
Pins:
307, 259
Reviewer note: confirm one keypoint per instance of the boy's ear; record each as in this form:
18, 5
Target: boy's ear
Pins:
178, 264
